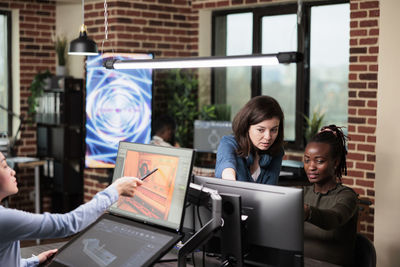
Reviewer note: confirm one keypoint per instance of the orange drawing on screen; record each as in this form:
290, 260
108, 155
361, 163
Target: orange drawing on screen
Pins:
152, 199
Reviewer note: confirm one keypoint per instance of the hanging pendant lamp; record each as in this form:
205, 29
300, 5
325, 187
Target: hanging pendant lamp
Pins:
83, 45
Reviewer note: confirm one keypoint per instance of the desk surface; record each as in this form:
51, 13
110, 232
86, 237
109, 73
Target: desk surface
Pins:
25, 162
211, 262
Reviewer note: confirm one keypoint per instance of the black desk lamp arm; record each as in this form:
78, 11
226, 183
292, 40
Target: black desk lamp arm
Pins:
207, 231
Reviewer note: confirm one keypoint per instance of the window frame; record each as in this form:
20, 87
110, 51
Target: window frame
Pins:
7, 14
303, 46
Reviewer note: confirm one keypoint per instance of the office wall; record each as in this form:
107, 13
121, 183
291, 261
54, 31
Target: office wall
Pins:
15, 68
387, 187
34, 52
36, 23
362, 104
205, 26
68, 22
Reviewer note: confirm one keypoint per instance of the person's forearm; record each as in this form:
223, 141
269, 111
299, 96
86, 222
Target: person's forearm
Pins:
30, 262
229, 174
328, 219
22, 225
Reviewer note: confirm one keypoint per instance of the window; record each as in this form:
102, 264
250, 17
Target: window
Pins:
280, 81
5, 72
317, 84
329, 62
236, 33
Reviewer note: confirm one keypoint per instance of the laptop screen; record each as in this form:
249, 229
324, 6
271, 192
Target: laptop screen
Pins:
161, 199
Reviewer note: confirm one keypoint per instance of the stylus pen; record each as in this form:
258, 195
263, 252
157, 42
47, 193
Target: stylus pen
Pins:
148, 174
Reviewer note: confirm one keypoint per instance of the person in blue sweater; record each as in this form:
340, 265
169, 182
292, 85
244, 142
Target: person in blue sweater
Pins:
16, 225
255, 150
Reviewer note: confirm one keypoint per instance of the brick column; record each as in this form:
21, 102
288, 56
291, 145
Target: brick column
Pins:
363, 84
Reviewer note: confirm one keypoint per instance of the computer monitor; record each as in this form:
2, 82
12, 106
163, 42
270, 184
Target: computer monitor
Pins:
274, 227
208, 134
160, 200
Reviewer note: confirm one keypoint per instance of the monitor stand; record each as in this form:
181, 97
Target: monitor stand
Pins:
208, 230
231, 231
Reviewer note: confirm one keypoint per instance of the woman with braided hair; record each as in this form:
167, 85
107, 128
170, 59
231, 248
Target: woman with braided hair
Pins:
330, 208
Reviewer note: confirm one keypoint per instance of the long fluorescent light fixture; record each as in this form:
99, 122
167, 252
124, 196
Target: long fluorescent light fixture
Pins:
205, 62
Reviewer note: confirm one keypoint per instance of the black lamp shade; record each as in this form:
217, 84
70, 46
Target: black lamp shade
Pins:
83, 46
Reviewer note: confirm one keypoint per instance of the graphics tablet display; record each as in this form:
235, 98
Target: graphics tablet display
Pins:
114, 241
161, 198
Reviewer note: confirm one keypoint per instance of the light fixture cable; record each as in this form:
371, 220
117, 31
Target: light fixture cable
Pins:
83, 11
106, 29
105, 26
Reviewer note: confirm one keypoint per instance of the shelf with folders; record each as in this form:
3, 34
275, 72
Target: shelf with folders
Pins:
61, 102
50, 106
60, 140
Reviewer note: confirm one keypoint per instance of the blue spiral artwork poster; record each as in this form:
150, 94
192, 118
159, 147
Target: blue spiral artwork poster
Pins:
118, 108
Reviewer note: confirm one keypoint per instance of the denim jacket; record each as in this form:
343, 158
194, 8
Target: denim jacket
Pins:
227, 158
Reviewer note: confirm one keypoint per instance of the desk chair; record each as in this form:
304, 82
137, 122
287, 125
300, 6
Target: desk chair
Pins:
365, 254
363, 211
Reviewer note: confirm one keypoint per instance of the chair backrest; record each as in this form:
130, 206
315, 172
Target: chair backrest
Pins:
365, 254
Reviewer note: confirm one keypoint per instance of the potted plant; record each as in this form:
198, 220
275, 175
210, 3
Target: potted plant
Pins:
314, 124
182, 85
60, 45
215, 112
37, 88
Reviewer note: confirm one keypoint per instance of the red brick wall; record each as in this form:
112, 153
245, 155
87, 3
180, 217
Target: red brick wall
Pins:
36, 24
363, 85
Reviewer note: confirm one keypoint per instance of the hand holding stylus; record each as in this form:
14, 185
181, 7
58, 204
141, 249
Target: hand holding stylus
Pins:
126, 186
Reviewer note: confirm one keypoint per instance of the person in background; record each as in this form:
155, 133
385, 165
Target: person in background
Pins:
255, 150
164, 131
16, 225
330, 208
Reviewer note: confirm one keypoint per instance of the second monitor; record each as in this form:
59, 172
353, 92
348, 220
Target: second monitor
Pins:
274, 231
